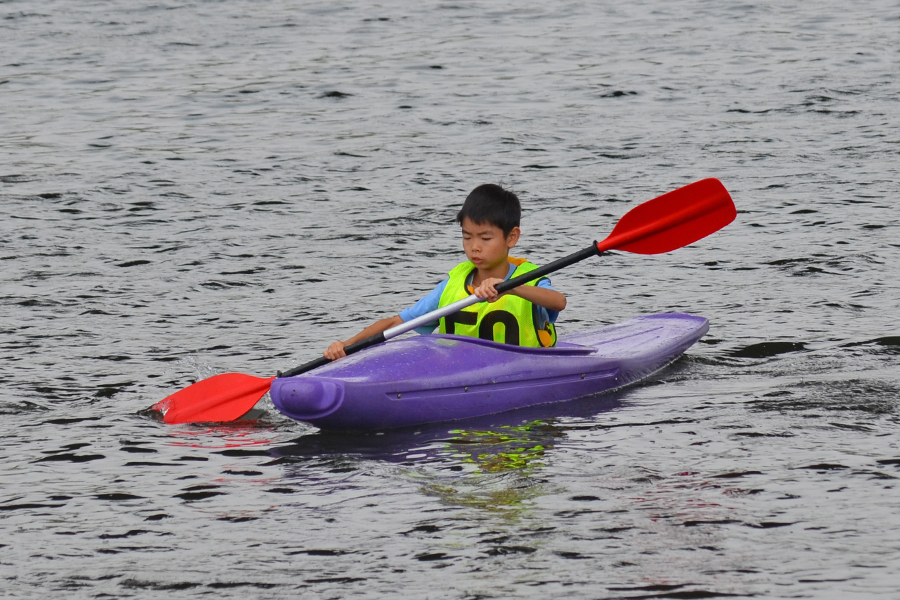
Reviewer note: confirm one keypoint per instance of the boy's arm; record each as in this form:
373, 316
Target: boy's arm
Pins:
336, 350
549, 299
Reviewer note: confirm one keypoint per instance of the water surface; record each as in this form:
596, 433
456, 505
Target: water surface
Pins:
197, 187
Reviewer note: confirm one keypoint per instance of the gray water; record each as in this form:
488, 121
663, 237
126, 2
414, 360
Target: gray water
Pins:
193, 187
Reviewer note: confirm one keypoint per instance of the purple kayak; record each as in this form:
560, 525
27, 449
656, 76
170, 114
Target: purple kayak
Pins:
433, 378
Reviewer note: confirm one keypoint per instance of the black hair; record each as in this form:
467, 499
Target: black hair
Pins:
490, 203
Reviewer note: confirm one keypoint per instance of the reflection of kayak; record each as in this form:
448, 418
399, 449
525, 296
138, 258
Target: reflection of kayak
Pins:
432, 378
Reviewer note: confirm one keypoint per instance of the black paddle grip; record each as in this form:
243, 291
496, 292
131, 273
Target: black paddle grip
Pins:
554, 266
322, 361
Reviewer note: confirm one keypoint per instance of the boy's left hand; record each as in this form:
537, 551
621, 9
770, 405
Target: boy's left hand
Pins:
487, 291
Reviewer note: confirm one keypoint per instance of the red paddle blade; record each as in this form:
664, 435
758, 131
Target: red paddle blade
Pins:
673, 220
220, 398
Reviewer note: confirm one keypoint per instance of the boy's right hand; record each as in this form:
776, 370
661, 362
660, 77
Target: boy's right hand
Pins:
335, 351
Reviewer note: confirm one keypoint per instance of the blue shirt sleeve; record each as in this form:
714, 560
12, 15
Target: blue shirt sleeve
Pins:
552, 315
425, 306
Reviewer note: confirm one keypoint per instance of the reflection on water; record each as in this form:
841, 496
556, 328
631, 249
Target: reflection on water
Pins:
492, 463
509, 447
502, 465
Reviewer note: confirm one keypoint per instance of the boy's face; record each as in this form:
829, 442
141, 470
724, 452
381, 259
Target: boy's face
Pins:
485, 244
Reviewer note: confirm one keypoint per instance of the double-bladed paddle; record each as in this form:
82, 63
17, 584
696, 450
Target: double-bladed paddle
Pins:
671, 221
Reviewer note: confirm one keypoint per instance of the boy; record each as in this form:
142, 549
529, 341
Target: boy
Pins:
490, 226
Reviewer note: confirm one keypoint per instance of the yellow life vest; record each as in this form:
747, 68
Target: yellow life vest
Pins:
511, 319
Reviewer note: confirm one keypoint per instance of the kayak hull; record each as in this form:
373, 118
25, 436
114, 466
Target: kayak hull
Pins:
433, 378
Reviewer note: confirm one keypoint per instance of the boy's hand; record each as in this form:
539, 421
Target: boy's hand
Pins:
487, 291
335, 351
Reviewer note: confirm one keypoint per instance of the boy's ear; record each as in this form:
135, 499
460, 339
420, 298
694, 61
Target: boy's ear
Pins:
513, 238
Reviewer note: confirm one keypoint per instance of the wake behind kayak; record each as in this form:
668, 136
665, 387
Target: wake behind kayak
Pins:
433, 378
